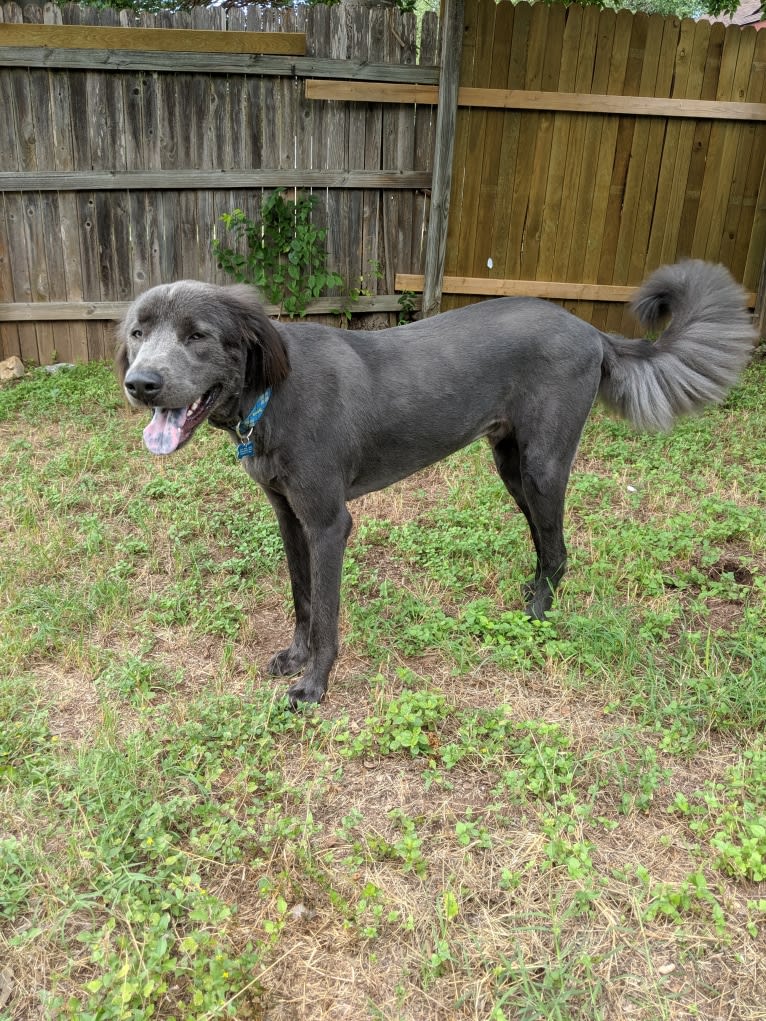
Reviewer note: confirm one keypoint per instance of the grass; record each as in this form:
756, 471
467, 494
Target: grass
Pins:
488, 819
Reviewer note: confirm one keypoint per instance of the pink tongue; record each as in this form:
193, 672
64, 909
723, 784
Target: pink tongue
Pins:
163, 434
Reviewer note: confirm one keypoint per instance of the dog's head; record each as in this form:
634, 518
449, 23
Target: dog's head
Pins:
190, 351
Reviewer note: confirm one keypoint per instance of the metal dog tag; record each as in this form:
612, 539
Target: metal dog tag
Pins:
244, 450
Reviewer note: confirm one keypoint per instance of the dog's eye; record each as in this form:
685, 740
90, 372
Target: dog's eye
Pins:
136, 333
196, 336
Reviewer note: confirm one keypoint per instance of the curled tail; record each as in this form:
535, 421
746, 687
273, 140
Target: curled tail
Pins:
697, 358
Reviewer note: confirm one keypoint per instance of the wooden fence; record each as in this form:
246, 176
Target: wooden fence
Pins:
589, 148
592, 147
120, 155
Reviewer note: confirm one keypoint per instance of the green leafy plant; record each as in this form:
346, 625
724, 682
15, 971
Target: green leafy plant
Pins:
674, 900
362, 290
441, 955
470, 833
732, 816
285, 254
406, 302
17, 876
407, 724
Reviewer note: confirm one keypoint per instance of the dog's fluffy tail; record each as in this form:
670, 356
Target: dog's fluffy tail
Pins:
697, 358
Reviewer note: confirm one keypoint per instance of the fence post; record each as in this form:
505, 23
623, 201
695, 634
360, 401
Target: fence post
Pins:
760, 303
449, 80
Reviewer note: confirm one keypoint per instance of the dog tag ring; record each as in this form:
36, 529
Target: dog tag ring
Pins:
245, 446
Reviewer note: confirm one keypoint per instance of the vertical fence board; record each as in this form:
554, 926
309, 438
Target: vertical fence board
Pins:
19, 113
757, 246
495, 76
425, 124
578, 159
552, 42
10, 341
603, 207
452, 258
619, 193
25, 333
47, 266
481, 140
722, 158
665, 210
518, 32
700, 140
665, 34
744, 182
752, 221
532, 23
692, 54
372, 217
584, 241
561, 169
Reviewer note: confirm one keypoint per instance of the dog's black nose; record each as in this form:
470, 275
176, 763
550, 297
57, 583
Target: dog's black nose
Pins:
144, 386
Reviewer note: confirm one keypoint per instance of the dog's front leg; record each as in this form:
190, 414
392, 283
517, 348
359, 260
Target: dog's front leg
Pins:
327, 544
292, 659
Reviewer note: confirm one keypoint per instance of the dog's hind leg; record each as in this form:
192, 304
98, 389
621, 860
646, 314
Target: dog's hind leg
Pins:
292, 659
535, 464
544, 488
546, 455
508, 463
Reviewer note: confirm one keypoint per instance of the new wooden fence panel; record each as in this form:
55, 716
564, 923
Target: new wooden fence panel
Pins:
477, 188
548, 39
496, 68
597, 198
725, 158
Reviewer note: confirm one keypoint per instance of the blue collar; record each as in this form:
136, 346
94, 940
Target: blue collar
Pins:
244, 428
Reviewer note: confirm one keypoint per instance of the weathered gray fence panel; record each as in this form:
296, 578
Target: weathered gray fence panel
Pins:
98, 166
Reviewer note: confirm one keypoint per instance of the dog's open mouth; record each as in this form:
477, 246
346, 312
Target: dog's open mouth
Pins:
170, 428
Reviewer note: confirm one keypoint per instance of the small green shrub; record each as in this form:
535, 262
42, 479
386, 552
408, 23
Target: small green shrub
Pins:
285, 254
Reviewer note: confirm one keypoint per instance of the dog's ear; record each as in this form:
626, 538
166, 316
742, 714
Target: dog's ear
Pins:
121, 361
268, 362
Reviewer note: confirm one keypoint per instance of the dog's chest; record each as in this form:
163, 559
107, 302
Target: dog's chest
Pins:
264, 469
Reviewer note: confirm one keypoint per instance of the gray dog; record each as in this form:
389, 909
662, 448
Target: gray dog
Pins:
320, 415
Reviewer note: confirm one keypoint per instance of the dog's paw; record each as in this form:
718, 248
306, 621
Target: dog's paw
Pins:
306, 689
288, 662
534, 611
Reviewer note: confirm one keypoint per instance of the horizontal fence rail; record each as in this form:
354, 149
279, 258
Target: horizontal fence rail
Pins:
527, 289
176, 180
221, 63
520, 99
64, 311
162, 39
